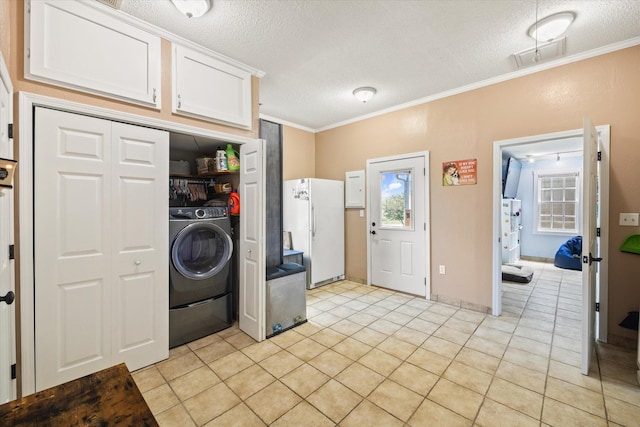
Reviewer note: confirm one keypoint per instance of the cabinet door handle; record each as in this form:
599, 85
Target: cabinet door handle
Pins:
179, 101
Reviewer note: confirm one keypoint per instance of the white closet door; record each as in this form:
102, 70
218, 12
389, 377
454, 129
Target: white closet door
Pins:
101, 245
252, 245
72, 191
140, 245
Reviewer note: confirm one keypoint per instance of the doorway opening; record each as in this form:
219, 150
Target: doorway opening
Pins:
554, 146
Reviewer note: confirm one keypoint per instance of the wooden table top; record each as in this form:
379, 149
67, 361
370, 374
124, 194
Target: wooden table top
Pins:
106, 398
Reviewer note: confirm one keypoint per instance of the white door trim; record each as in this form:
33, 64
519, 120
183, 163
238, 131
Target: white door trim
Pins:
427, 214
26, 103
605, 136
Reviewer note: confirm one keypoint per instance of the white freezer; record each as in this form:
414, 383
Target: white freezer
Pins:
313, 211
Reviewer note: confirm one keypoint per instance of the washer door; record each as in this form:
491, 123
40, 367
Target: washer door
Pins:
201, 250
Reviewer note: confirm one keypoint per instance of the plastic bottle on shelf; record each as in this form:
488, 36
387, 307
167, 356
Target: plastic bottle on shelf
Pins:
233, 160
221, 161
234, 203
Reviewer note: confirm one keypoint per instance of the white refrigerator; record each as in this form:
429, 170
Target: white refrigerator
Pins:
313, 212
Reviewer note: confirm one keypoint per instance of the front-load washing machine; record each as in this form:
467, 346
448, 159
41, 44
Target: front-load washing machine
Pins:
200, 299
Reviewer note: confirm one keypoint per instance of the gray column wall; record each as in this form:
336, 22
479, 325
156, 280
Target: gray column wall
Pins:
272, 134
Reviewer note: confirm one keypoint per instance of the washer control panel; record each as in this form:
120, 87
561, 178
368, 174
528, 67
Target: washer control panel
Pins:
198, 213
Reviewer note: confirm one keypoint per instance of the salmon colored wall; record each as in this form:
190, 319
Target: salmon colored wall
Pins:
298, 153
465, 126
5, 29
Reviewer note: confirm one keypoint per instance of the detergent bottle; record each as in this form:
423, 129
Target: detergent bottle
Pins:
233, 161
234, 203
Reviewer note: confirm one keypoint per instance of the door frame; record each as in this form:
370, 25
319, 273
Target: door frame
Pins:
427, 212
604, 133
26, 103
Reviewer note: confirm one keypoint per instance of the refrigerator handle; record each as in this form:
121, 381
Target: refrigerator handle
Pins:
313, 221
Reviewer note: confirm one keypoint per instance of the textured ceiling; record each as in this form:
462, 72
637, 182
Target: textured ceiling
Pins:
316, 52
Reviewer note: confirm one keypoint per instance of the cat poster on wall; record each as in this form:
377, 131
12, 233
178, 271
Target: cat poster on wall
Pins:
459, 172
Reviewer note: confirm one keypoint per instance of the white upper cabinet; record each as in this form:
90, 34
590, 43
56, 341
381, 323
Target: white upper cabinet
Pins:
209, 88
78, 46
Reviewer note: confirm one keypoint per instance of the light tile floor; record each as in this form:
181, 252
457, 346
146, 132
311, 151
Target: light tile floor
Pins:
372, 357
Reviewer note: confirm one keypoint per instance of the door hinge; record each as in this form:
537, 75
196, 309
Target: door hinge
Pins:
598, 232
10, 130
12, 251
598, 306
425, 282
425, 226
599, 156
13, 371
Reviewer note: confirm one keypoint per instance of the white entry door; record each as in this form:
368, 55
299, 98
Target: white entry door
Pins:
251, 254
590, 249
7, 277
398, 226
101, 245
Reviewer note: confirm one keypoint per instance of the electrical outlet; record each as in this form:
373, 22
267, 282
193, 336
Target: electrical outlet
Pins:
361, 213
629, 219
442, 269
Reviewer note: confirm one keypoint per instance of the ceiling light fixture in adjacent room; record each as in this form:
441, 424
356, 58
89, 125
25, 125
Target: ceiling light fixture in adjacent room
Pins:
192, 8
551, 27
364, 94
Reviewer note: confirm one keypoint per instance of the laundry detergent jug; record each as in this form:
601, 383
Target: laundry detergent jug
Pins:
234, 203
233, 160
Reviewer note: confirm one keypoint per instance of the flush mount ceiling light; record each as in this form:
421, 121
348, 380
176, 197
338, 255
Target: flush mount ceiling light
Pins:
551, 27
192, 8
364, 94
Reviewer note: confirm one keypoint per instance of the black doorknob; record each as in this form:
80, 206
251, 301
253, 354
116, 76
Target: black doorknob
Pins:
8, 298
373, 224
373, 231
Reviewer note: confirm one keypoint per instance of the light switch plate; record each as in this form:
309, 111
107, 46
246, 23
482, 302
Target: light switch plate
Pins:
629, 219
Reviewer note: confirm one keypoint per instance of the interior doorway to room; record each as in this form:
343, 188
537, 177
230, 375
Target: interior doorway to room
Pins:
532, 230
397, 223
557, 146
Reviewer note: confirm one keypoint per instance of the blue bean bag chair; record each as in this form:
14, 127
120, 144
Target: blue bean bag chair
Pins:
569, 253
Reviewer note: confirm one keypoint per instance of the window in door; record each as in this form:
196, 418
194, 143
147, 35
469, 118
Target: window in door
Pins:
557, 202
396, 199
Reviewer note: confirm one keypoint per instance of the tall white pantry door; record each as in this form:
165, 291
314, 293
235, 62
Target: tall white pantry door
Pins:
101, 245
251, 253
7, 272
